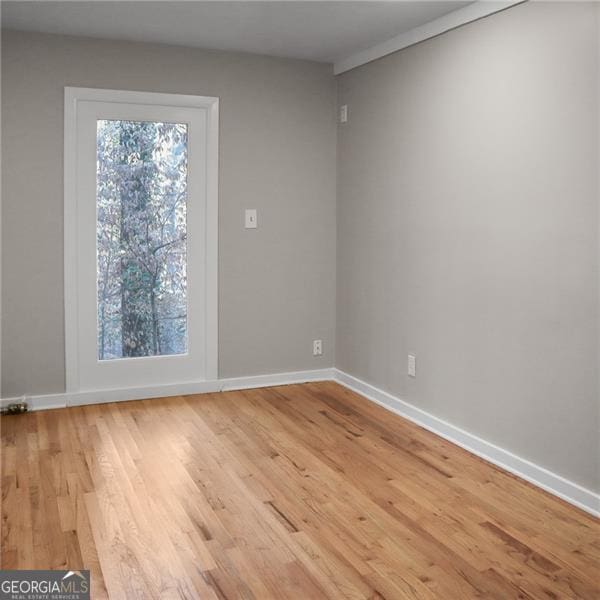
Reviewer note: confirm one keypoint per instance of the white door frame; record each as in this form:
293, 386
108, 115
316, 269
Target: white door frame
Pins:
73, 96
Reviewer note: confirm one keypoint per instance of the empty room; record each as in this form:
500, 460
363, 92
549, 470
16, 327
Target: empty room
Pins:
300, 300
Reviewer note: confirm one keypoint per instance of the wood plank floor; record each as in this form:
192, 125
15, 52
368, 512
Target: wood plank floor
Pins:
302, 491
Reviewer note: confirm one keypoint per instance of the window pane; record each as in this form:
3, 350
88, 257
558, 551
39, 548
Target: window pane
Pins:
141, 188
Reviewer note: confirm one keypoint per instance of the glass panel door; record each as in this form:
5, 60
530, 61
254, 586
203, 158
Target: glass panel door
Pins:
141, 234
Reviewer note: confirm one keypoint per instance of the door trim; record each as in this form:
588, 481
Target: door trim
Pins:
73, 95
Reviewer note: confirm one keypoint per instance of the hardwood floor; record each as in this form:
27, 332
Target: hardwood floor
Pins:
302, 491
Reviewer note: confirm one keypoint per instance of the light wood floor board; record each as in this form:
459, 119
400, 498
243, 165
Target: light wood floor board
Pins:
293, 492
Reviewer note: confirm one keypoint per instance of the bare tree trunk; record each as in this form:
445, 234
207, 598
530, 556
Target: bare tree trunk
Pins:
135, 292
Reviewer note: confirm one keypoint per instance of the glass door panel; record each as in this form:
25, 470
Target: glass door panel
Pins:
141, 242
141, 201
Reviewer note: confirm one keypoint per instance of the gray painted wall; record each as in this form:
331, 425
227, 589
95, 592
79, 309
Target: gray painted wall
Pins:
467, 218
277, 154
468, 230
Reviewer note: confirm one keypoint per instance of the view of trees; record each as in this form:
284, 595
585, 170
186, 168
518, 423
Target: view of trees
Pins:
141, 191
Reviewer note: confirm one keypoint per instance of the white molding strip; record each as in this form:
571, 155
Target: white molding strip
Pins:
539, 476
63, 400
462, 16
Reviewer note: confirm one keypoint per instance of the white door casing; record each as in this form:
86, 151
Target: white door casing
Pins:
83, 108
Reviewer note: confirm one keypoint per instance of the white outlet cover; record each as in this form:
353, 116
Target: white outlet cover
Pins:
412, 365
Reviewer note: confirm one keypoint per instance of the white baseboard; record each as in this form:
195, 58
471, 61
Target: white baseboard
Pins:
539, 476
49, 401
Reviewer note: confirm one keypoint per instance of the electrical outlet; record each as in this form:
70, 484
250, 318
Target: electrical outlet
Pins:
344, 113
412, 365
317, 347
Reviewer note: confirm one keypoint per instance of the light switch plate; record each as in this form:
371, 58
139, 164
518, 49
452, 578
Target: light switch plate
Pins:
251, 218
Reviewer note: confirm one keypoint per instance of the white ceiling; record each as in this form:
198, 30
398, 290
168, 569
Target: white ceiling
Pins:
317, 30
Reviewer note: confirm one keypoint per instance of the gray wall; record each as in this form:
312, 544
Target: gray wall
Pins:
277, 154
467, 218
468, 230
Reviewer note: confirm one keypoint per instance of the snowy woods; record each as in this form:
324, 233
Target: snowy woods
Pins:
141, 238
